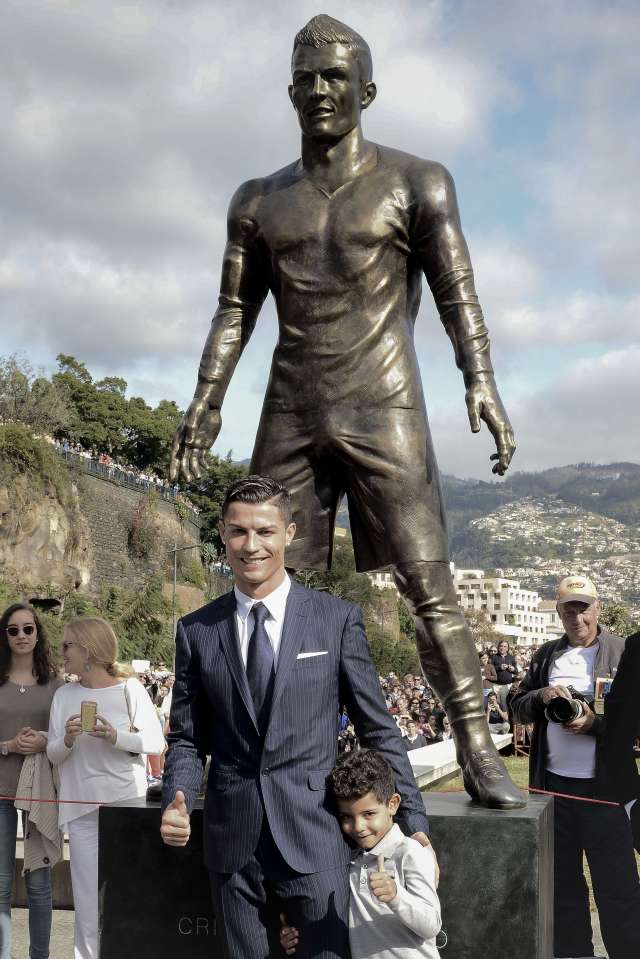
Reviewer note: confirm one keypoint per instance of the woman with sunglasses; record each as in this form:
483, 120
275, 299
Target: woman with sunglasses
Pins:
100, 763
27, 684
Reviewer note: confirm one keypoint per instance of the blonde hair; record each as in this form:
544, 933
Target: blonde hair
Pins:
98, 638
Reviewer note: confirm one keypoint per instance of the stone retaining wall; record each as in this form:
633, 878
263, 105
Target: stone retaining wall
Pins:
109, 510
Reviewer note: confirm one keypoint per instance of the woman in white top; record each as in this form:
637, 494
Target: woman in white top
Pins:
101, 766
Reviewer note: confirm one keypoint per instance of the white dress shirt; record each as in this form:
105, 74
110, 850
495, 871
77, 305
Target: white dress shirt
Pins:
406, 927
276, 603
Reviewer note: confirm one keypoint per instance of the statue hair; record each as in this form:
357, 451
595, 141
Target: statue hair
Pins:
324, 29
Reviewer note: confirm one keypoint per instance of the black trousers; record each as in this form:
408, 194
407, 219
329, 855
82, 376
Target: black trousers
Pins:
248, 904
603, 833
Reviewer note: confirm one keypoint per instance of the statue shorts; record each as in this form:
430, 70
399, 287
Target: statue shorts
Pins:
382, 458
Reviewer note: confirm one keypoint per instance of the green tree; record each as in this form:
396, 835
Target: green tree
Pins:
112, 384
149, 433
144, 624
30, 398
407, 624
342, 580
618, 619
207, 494
482, 629
400, 658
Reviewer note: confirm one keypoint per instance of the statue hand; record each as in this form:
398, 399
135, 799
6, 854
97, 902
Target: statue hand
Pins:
484, 403
194, 437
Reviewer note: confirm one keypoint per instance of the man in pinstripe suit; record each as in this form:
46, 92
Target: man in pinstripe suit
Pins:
272, 844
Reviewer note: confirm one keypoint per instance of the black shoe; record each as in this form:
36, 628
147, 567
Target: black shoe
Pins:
486, 779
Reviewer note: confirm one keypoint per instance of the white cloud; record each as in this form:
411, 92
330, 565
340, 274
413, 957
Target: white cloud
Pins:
126, 128
588, 414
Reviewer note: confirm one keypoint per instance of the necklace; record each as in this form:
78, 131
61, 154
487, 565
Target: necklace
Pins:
21, 686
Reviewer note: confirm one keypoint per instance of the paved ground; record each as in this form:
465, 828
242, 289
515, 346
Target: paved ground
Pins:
62, 935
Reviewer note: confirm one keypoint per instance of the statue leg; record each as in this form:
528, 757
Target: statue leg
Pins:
450, 663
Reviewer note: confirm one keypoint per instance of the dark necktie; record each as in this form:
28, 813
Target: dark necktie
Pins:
260, 666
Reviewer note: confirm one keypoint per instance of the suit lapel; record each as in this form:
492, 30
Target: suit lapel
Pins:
230, 646
291, 639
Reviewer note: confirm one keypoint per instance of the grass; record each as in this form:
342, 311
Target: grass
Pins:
518, 768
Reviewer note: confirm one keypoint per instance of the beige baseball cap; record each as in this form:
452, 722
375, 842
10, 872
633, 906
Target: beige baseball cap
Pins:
576, 589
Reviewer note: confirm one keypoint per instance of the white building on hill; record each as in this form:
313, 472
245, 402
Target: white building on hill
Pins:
514, 611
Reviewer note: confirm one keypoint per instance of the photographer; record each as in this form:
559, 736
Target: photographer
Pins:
567, 756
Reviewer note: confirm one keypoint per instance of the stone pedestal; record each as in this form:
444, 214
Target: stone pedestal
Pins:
154, 899
496, 886
496, 877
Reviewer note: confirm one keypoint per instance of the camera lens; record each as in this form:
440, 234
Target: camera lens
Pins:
561, 710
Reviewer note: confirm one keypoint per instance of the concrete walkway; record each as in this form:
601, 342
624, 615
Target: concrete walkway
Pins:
61, 934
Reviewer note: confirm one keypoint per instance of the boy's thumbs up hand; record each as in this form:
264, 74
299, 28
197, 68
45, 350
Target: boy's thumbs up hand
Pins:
176, 829
381, 882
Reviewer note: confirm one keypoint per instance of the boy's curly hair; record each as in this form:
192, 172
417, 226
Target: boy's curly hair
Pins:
361, 772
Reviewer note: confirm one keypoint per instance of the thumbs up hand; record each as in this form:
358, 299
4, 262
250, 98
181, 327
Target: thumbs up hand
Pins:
381, 882
176, 829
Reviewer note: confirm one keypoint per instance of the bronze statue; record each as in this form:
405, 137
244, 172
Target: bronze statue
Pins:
341, 238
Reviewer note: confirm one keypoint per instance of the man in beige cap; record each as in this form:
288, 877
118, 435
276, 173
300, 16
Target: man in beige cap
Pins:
567, 756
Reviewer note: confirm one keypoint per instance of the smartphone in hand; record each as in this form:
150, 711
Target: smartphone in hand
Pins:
88, 710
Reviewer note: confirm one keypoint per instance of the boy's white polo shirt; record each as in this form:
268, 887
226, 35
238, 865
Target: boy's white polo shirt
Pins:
406, 927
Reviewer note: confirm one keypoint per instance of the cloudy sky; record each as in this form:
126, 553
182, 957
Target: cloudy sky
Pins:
126, 126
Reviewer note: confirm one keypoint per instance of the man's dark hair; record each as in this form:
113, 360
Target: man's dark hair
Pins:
324, 29
259, 489
356, 774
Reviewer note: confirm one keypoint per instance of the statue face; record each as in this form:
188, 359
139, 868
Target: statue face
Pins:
327, 91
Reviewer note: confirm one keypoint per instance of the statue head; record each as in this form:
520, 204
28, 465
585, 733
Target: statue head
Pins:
323, 29
331, 78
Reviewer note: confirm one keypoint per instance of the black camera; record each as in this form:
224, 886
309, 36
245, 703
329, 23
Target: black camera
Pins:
561, 710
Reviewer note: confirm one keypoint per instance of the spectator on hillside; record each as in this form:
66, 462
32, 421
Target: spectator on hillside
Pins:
413, 739
437, 711
513, 691
428, 728
488, 673
497, 717
445, 731
505, 666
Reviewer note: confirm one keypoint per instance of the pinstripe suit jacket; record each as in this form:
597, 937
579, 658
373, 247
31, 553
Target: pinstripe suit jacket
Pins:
284, 775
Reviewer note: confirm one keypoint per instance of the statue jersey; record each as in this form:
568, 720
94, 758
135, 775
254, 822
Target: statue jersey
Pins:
345, 270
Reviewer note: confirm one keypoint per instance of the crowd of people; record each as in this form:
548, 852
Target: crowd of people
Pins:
104, 464
42, 721
419, 713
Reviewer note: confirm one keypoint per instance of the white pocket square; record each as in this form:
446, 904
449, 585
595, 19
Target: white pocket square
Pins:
322, 652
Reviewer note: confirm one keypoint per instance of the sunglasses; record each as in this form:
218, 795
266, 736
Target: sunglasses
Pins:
28, 630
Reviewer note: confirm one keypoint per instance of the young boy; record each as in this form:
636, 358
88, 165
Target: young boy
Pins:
394, 912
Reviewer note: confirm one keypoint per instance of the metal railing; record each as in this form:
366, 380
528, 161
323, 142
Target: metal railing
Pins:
122, 476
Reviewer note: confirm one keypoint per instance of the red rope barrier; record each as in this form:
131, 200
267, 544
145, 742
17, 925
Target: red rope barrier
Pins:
599, 802
531, 789
79, 802
545, 792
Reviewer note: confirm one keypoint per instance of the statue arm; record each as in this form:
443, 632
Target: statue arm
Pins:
439, 244
243, 288
442, 251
